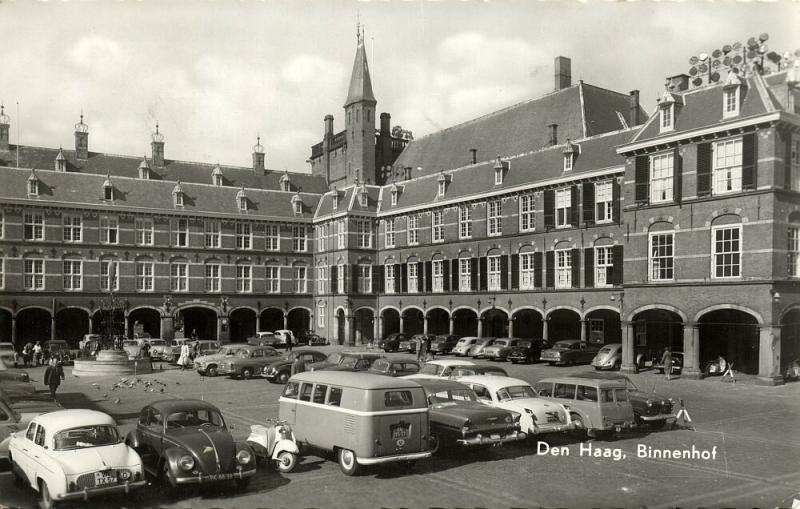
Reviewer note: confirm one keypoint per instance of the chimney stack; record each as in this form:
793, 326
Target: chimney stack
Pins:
563, 75
553, 134
258, 157
157, 148
386, 121
633, 116
474, 152
5, 127
329, 125
81, 140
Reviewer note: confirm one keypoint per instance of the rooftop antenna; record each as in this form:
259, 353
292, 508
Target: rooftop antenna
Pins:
18, 123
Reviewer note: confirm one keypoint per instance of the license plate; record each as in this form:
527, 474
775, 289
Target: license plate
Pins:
104, 479
495, 436
399, 432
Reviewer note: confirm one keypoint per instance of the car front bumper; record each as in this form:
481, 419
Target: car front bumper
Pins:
492, 439
659, 417
200, 479
391, 459
105, 490
553, 427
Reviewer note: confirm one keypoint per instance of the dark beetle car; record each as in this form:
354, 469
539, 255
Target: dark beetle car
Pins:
459, 418
648, 407
345, 361
310, 339
185, 441
392, 342
394, 367
279, 371
527, 350
443, 344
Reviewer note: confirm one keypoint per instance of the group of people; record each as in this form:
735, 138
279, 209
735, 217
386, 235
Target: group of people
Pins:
188, 353
32, 355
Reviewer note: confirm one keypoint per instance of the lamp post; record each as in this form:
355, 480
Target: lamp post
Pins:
626, 336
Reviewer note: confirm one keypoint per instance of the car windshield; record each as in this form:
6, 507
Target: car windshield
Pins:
334, 358
606, 349
500, 342
566, 345
348, 362
431, 369
86, 436
195, 418
515, 392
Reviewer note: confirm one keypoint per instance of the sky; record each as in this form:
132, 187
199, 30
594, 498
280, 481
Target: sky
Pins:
216, 74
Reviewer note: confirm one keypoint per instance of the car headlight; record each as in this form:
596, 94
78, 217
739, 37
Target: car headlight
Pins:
124, 474
508, 418
186, 462
243, 457
649, 403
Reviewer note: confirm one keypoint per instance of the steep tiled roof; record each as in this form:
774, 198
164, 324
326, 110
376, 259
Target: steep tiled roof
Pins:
596, 153
360, 83
580, 111
325, 207
187, 172
86, 189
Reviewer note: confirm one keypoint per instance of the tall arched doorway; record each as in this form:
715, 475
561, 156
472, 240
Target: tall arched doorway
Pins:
299, 320
71, 325
732, 334
602, 327
5, 326
412, 321
103, 321
438, 321
495, 324
271, 319
144, 321
364, 324
390, 321
466, 322
656, 329
563, 324
527, 324
33, 324
243, 324
198, 320
790, 338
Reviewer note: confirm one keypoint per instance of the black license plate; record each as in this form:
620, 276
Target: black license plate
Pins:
400, 431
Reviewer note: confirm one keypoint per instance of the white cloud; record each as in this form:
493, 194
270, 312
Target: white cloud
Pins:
100, 55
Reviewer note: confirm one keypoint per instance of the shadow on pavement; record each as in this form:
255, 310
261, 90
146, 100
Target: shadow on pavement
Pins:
79, 400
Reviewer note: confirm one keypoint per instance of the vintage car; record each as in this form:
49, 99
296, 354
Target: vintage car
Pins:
283, 336
459, 371
360, 361
458, 417
7, 354
336, 358
464, 345
310, 339
648, 407
677, 363
262, 338
185, 441
10, 375
601, 407
157, 347
476, 352
527, 350
73, 455
439, 368
280, 370
13, 420
568, 352
499, 349
392, 342
538, 415
207, 364
59, 349
394, 367
444, 344
247, 362
19, 397
133, 347
609, 357
172, 353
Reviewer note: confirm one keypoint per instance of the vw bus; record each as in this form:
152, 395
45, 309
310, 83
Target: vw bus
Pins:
364, 419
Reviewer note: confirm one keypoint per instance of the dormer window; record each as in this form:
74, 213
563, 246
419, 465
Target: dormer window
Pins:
144, 170
499, 171
394, 192
177, 195
335, 200
666, 107
61, 161
216, 176
570, 152
285, 182
33, 184
442, 181
407, 173
363, 198
731, 96
297, 204
108, 189
241, 200
442, 185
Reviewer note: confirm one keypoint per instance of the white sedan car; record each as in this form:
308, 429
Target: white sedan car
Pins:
538, 414
74, 455
437, 369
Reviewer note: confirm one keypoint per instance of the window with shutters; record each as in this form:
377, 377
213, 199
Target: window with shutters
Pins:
213, 274
730, 100
273, 278
662, 260
180, 232
341, 234
526, 272
667, 114
179, 277
661, 168
727, 166
322, 278
73, 228
526, 213
244, 278
321, 316
437, 268
299, 275
390, 236
794, 251
33, 272
365, 278
413, 276
563, 208
73, 275
604, 202
273, 236
412, 232
727, 251
108, 275
144, 276
564, 268
494, 213
34, 226
437, 226
389, 278
340, 278
244, 236
603, 265
465, 274
794, 167
495, 275
364, 233
212, 231
465, 222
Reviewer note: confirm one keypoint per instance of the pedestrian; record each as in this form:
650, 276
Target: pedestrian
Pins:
53, 376
666, 361
184, 360
195, 350
428, 347
288, 341
194, 334
298, 366
37, 353
146, 351
422, 350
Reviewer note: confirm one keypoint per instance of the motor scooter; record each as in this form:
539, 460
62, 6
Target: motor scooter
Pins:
716, 367
274, 441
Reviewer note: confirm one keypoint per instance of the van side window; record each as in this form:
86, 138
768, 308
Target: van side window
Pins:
397, 398
31, 431
586, 393
291, 390
305, 392
319, 394
606, 396
621, 394
335, 396
564, 391
544, 389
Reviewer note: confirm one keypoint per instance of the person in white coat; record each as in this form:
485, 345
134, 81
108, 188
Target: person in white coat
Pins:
184, 360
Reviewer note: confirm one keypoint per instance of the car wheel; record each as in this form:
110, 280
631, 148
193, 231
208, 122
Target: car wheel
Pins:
46, 501
211, 370
347, 462
283, 377
580, 426
657, 424
286, 462
247, 373
166, 476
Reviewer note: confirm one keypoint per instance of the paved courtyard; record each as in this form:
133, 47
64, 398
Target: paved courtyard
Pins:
753, 429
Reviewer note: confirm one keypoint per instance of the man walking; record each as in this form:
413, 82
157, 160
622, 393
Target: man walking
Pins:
53, 376
666, 361
288, 341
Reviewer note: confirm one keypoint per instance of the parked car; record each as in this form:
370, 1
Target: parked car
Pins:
439, 368
476, 352
12, 375
337, 358
74, 455
460, 371
464, 345
568, 352
247, 362
538, 415
133, 347
8, 354
208, 364
444, 344
354, 362
311, 339
186, 441
609, 357
87, 338
527, 350
262, 338
394, 367
411, 345
157, 347
391, 343
500, 348
599, 406
24, 401
280, 370
388, 416
458, 418
172, 353
677, 363
12, 420
283, 336
648, 407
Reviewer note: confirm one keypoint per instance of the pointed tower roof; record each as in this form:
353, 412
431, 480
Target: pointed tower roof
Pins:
360, 82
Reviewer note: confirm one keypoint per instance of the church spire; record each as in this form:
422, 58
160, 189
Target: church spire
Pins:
360, 82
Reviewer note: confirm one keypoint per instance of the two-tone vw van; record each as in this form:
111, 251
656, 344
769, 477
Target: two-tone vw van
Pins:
364, 419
